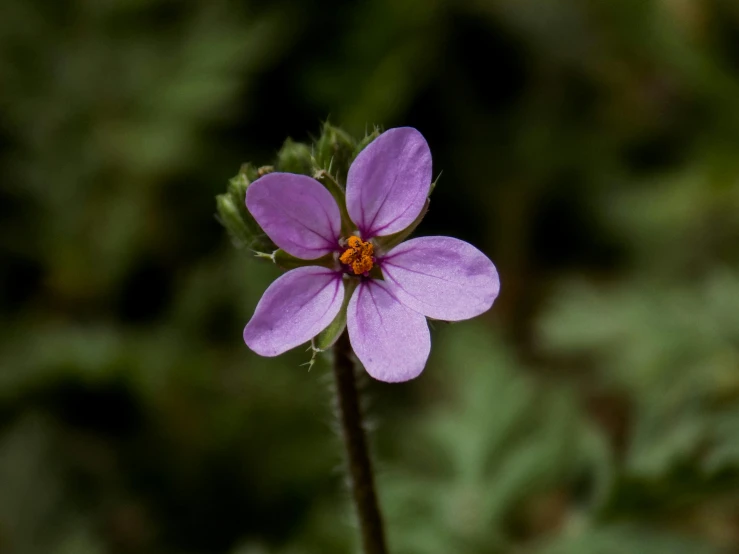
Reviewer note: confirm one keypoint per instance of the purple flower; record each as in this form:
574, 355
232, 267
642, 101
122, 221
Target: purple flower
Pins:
438, 277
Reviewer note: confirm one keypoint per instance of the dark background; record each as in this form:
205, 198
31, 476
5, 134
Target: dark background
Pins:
591, 149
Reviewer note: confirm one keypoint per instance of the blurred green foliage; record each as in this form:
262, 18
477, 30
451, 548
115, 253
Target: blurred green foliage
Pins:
590, 148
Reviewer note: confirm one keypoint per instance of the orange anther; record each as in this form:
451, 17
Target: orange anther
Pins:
358, 256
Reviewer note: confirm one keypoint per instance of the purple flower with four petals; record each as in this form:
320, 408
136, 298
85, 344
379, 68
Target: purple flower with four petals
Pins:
389, 293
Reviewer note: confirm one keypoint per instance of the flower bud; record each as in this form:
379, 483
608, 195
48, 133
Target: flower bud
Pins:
334, 150
295, 157
233, 215
237, 185
362, 144
230, 217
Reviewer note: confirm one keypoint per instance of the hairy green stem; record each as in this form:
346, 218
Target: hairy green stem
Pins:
357, 453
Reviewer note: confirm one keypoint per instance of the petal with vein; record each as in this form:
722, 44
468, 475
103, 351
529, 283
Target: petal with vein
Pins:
294, 309
441, 277
388, 182
391, 340
296, 212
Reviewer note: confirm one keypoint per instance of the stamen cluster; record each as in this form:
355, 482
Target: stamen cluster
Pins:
358, 256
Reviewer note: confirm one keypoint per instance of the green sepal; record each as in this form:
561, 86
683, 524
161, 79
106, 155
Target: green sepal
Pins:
336, 190
385, 244
376, 273
433, 185
334, 150
295, 157
233, 215
288, 261
326, 338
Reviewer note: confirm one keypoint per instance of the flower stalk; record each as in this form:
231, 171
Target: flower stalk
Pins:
358, 460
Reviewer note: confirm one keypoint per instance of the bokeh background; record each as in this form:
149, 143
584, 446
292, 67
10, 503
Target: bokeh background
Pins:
590, 148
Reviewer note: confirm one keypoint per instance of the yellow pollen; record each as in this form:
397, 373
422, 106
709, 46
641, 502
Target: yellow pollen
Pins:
358, 255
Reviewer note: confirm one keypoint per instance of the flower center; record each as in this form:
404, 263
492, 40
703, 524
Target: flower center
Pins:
358, 255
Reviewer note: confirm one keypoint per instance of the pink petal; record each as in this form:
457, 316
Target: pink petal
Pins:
294, 309
391, 341
388, 182
296, 212
441, 277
